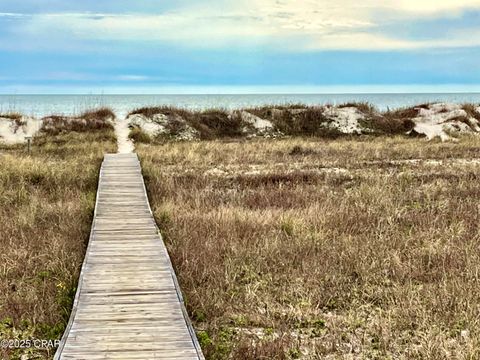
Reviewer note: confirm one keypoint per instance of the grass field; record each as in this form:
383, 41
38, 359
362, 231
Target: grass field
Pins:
46, 207
361, 248
350, 248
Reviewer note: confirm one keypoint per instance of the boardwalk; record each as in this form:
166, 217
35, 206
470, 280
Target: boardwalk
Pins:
128, 304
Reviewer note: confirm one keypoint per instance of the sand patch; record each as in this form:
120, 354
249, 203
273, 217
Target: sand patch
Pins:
122, 130
346, 120
441, 120
172, 126
15, 131
259, 125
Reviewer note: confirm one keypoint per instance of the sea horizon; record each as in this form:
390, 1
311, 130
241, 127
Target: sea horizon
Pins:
122, 104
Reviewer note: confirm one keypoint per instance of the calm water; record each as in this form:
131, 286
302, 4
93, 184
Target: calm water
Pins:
41, 105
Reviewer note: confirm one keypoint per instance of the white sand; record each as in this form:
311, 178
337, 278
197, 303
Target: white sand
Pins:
432, 131
11, 134
125, 145
152, 126
259, 124
441, 119
346, 120
157, 125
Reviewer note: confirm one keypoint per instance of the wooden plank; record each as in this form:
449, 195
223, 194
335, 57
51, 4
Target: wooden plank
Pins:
128, 304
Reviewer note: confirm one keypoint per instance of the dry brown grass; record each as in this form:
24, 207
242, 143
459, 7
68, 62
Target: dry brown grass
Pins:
307, 122
139, 136
93, 120
471, 110
16, 118
46, 207
303, 248
390, 124
214, 124
364, 107
103, 113
210, 124
289, 120
151, 111
12, 116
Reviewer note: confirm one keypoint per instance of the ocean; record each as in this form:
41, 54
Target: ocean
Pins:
42, 105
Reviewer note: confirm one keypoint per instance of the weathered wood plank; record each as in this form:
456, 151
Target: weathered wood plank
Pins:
128, 304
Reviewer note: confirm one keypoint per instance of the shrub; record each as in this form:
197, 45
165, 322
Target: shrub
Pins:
216, 123
389, 124
155, 110
139, 136
306, 121
103, 113
12, 116
364, 107
92, 120
471, 111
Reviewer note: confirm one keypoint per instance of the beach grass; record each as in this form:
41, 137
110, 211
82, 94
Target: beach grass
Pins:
327, 121
139, 136
286, 120
88, 121
11, 115
47, 199
306, 248
311, 245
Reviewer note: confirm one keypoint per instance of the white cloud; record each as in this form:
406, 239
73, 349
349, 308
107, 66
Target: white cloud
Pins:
132, 77
432, 6
299, 25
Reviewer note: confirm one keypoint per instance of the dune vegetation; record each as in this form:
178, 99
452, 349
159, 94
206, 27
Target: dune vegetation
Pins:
354, 248
295, 232
47, 199
446, 121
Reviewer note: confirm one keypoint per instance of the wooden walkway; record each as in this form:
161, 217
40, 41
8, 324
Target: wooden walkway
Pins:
128, 304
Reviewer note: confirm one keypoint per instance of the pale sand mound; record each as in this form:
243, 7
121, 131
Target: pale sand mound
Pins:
441, 120
148, 125
345, 120
260, 126
173, 126
15, 131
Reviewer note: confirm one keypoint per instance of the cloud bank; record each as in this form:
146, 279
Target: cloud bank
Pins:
149, 45
306, 25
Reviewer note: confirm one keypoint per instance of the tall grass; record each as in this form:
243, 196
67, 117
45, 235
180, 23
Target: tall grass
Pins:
323, 249
210, 124
46, 207
299, 120
93, 120
11, 115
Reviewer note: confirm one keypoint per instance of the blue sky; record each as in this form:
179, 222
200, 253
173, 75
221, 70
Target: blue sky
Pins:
148, 46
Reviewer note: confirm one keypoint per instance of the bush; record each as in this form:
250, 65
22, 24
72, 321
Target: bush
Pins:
12, 116
139, 136
216, 123
150, 112
93, 120
364, 107
389, 124
471, 111
98, 114
303, 122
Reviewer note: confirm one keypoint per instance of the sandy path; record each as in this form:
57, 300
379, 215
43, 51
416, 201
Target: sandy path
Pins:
125, 145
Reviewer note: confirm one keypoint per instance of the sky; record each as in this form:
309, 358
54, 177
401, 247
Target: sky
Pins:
244, 46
